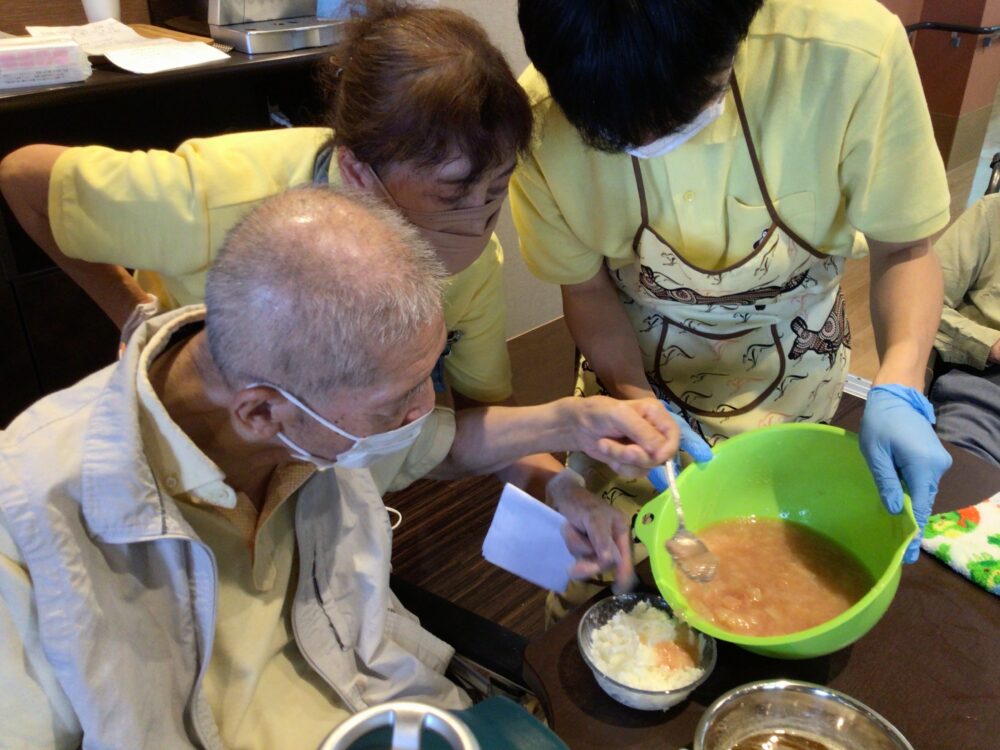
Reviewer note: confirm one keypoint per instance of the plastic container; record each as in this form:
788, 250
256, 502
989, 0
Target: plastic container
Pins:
812, 474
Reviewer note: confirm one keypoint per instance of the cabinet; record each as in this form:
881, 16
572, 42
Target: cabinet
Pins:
51, 334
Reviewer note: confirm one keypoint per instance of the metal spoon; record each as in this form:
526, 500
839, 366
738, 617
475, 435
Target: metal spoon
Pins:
688, 551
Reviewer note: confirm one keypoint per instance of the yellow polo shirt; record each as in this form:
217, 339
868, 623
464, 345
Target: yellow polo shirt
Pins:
167, 213
262, 692
841, 127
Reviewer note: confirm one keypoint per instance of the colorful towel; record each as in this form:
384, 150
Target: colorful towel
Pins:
968, 540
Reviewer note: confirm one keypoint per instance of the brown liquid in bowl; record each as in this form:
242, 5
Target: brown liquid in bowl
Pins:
774, 577
779, 741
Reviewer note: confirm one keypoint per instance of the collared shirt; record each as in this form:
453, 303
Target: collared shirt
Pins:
970, 264
840, 124
258, 685
262, 692
167, 214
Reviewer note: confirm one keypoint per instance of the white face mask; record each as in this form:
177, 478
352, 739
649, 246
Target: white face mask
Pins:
364, 452
668, 143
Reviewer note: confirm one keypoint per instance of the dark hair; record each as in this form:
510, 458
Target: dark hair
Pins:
418, 85
625, 72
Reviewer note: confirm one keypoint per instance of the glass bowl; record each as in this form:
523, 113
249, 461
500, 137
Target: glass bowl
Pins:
644, 700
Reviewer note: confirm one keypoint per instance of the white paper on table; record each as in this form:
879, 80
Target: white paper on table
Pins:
525, 538
163, 54
95, 37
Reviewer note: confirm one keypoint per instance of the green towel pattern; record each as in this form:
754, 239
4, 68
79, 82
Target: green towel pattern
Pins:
968, 540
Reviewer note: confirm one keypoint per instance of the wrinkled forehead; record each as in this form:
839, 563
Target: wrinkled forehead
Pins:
405, 369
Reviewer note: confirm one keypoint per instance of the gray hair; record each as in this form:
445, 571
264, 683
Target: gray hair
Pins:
315, 289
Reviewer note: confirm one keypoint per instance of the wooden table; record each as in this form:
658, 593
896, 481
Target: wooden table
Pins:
931, 666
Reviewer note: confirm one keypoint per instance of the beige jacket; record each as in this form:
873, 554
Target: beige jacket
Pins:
970, 264
107, 596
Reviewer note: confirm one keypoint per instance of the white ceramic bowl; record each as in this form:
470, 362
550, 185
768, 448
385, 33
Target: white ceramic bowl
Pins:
822, 714
644, 700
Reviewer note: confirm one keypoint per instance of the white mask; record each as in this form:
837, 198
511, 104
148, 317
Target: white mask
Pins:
668, 143
365, 451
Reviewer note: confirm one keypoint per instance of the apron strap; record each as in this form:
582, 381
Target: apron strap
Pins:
643, 208
759, 173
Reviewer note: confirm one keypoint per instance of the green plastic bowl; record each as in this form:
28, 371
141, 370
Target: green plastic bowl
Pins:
807, 473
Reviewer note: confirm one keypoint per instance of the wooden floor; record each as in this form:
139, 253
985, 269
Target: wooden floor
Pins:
438, 546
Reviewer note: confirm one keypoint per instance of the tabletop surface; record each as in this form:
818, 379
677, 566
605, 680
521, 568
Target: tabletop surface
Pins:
931, 665
106, 79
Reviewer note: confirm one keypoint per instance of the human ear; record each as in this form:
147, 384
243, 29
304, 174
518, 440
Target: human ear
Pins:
354, 173
256, 413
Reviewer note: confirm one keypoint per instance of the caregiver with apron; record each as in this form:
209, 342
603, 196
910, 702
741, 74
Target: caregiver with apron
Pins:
697, 199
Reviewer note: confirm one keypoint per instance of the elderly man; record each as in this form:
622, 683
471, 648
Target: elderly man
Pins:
176, 567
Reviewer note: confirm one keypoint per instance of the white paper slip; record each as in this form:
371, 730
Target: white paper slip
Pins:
95, 38
163, 54
525, 539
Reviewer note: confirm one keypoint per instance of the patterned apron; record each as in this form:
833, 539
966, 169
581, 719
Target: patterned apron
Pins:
761, 342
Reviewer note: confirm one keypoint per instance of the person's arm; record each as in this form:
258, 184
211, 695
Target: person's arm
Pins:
556, 253
623, 434
595, 532
906, 295
530, 473
897, 429
629, 436
602, 331
24, 181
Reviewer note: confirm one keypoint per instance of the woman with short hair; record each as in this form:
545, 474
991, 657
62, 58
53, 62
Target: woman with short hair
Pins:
422, 111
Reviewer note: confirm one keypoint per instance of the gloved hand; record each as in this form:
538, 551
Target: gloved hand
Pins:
898, 440
691, 442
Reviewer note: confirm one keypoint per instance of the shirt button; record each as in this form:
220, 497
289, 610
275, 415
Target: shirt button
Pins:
689, 196
171, 482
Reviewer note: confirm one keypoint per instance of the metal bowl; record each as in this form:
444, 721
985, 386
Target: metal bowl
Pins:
645, 700
823, 715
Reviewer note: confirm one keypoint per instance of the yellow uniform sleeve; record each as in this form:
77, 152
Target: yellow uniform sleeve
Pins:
34, 710
478, 365
970, 321
169, 212
549, 247
892, 175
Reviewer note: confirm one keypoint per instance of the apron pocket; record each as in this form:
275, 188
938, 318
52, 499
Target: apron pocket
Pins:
717, 375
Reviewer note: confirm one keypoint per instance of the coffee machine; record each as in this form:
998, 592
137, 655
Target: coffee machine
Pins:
256, 26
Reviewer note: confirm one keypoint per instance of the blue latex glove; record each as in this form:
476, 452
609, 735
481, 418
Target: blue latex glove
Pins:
691, 442
898, 441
